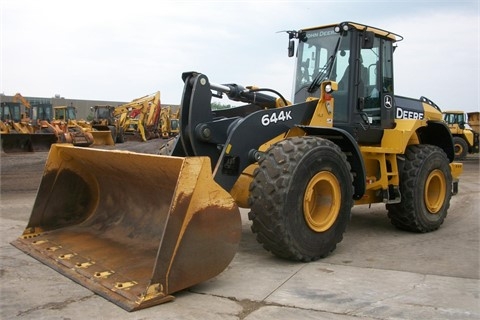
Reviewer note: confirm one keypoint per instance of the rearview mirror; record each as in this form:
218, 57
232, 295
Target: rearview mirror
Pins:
291, 48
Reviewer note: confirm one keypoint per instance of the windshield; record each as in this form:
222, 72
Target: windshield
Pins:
71, 114
10, 111
41, 112
453, 118
103, 113
321, 56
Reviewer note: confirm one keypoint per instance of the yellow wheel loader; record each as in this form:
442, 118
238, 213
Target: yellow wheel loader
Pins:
465, 140
106, 129
22, 131
300, 167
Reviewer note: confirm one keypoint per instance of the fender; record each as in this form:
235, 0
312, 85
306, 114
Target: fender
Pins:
437, 133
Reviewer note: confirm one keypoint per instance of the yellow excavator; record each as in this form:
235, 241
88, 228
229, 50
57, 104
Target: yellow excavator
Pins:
141, 116
136, 228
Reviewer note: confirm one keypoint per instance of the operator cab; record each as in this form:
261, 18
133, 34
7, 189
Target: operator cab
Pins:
357, 57
42, 111
10, 111
64, 113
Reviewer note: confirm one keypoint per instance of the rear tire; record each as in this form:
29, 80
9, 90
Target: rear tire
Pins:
461, 148
426, 189
301, 198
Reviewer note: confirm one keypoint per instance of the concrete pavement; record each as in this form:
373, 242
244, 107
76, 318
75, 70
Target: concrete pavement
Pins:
377, 272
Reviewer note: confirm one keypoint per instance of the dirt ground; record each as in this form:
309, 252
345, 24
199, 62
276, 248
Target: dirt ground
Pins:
22, 172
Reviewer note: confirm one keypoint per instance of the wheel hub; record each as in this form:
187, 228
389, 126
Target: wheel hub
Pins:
322, 201
435, 190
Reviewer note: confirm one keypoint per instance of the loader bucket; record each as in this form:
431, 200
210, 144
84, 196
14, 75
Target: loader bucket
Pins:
25, 142
134, 228
43, 141
102, 138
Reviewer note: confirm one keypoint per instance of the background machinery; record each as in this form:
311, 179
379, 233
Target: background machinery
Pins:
169, 122
106, 129
143, 114
36, 127
22, 128
346, 140
64, 124
465, 139
140, 116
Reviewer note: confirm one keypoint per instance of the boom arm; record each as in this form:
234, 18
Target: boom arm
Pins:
149, 108
231, 142
19, 98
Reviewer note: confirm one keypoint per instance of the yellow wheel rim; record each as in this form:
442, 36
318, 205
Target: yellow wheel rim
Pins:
435, 191
322, 201
458, 149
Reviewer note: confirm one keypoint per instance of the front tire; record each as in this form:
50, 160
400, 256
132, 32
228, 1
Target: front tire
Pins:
121, 136
461, 148
113, 132
301, 198
426, 189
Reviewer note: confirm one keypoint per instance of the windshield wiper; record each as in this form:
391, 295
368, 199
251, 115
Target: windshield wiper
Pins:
321, 75
324, 72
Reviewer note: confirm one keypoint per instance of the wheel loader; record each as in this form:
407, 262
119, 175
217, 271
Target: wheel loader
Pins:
106, 129
21, 128
140, 117
465, 139
345, 140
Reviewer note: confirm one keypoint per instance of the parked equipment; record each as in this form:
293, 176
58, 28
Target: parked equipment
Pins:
169, 122
21, 127
105, 127
465, 140
141, 116
64, 125
136, 228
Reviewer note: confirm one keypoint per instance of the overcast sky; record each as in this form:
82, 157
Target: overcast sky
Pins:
122, 50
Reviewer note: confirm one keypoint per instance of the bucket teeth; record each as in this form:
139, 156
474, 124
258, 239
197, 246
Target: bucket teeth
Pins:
103, 274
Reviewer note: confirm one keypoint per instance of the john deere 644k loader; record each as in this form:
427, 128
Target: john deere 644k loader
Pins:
136, 228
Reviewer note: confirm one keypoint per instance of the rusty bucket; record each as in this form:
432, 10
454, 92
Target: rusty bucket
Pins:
134, 228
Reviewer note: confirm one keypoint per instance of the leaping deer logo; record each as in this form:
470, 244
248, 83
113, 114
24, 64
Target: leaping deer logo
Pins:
387, 102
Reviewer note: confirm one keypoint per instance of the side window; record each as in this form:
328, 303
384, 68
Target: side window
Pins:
34, 113
370, 83
341, 63
370, 69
